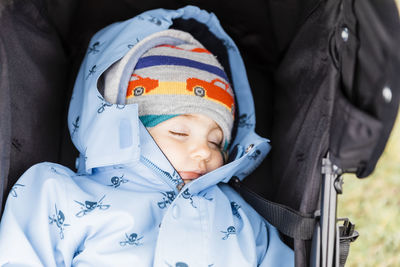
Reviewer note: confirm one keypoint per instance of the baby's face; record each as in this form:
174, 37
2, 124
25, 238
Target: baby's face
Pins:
191, 142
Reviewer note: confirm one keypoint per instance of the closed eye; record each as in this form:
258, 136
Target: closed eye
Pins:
178, 133
217, 144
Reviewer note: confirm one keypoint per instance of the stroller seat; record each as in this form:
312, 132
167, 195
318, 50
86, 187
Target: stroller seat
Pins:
322, 73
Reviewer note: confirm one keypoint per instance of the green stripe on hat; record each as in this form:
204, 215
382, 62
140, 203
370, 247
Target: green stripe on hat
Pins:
153, 120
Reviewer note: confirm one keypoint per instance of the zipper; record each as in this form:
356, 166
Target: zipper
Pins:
174, 181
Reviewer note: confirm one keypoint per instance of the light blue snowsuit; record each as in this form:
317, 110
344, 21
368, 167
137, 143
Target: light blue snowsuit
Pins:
124, 207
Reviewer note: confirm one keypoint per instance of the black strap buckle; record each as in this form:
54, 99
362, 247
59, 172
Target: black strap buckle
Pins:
346, 234
346, 231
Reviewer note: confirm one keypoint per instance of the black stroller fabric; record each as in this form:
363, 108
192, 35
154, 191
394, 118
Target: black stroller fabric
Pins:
322, 74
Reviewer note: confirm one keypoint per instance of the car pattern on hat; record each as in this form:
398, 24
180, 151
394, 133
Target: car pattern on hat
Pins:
212, 90
217, 90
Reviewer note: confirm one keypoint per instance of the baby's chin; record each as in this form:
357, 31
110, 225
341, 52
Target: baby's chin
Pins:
188, 177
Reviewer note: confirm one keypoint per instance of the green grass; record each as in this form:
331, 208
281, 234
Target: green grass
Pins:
373, 204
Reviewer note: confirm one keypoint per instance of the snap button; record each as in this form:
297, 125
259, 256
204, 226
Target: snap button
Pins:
387, 94
77, 163
345, 34
249, 148
175, 211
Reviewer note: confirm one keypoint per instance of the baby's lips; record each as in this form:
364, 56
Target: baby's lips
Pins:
189, 175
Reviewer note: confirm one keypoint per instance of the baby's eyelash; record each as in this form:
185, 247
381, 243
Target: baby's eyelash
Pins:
215, 143
177, 133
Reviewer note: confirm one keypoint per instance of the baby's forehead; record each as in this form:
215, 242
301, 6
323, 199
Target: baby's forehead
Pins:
196, 118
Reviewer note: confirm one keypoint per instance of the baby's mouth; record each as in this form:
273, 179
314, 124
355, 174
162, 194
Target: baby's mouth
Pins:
189, 176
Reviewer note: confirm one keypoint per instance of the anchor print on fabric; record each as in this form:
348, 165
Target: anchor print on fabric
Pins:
90, 206
167, 199
231, 230
104, 104
13, 191
91, 71
132, 45
59, 220
94, 48
235, 209
75, 125
132, 240
117, 181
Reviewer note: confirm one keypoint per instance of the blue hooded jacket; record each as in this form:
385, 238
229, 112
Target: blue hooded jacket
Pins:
126, 205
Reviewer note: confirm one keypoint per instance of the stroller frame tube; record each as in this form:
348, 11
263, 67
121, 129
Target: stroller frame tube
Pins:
326, 231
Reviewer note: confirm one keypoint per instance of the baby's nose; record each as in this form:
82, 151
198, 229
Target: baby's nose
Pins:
201, 151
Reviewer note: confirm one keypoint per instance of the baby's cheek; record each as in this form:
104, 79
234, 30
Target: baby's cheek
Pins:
166, 146
176, 155
217, 161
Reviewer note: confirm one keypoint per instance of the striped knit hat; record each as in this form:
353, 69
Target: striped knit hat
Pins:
169, 80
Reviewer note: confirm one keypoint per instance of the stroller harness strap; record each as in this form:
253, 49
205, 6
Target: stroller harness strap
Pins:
290, 222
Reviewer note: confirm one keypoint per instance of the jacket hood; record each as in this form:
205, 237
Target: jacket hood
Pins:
108, 134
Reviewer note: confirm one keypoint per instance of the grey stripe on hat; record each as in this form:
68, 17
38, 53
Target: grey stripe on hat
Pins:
176, 52
122, 69
175, 73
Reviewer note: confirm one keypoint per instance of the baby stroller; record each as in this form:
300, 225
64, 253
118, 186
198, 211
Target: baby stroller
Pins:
322, 75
